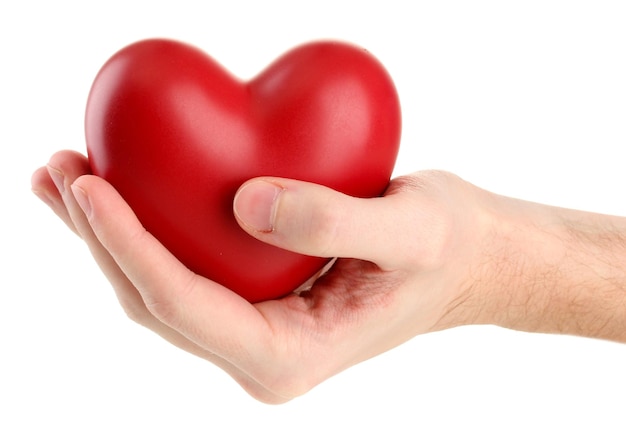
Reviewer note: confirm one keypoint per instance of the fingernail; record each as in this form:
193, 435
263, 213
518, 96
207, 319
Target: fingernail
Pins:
255, 205
82, 199
57, 177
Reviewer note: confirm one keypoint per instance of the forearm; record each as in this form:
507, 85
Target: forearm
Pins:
555, 270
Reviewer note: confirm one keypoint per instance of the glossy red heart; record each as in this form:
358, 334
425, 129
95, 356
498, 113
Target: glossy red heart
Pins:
176, 134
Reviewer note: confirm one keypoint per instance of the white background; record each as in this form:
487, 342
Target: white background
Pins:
524, 98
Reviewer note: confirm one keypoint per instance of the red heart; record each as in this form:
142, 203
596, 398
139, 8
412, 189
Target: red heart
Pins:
176, 135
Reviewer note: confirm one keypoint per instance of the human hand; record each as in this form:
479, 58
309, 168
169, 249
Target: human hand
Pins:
434, 252
403, 263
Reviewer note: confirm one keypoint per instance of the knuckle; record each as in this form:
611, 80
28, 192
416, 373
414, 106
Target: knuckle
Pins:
134, 308
286, 370
324, 229
163, 310
168, 306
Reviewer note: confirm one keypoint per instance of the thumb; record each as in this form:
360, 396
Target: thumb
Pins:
315, 220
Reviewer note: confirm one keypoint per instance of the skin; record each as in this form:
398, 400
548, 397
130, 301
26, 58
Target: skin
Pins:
433, 253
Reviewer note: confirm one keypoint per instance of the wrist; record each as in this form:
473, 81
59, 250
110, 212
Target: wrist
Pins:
553, 270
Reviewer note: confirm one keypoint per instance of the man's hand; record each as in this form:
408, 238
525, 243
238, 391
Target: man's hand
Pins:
434, 252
